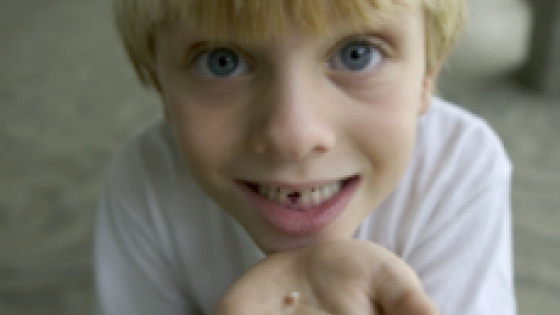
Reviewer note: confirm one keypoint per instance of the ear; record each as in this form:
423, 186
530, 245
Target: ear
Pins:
428, 89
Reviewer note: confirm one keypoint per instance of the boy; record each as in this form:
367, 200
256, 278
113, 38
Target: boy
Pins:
293, 130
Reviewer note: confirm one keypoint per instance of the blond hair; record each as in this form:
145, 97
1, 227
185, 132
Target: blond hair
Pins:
138, 20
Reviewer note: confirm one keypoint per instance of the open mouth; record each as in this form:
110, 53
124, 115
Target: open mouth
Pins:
301, 210
300, 199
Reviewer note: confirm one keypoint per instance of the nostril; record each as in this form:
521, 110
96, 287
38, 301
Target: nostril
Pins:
292, 139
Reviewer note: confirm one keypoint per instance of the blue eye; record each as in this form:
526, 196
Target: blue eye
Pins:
221, 62
356, 56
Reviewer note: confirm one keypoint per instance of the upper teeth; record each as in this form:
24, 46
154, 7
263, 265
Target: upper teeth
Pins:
306, 197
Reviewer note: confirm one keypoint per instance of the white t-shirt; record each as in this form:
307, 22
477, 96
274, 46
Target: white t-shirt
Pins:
164, 247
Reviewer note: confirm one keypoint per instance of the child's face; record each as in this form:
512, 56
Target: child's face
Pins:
301, 137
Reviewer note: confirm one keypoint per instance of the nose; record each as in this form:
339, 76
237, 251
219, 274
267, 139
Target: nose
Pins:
294, 124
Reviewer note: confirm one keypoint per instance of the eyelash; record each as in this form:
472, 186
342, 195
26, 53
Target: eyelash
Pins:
203, 48
375, 42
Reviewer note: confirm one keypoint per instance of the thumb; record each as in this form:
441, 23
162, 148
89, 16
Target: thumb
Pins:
398, 291
407, 302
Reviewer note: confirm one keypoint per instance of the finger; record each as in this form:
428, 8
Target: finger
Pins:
398, 291
407, 302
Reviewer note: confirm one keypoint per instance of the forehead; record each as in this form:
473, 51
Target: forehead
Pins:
257, 20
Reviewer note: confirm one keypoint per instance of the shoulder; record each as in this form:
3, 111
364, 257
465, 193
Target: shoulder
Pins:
458, 161
454, 144
456, 222
460, 174
147, 183
150, 153
149, 165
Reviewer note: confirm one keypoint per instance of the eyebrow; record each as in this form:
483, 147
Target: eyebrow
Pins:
391, 29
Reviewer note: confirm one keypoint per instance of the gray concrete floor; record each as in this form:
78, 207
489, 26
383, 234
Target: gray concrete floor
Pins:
68, 99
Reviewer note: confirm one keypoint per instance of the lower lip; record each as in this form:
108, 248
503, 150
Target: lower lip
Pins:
307, 221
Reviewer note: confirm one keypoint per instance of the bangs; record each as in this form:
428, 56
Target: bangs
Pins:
246, 20
259, 20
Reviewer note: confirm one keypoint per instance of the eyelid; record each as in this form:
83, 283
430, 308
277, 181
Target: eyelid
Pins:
199, 48
376, 41
193, 52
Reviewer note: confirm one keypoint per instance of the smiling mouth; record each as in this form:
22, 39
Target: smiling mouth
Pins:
300, 209
300, 199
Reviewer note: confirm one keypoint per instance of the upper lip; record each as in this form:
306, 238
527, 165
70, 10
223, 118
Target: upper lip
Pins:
296, 185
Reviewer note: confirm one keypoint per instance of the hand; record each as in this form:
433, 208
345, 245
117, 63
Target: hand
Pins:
342, 277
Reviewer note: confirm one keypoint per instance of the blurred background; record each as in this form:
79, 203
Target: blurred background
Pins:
69, 99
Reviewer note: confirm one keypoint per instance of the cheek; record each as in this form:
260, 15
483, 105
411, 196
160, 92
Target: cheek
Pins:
385, 124
387, 142
207, 131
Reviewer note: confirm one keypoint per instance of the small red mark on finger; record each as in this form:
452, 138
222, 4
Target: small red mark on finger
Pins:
291, 298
